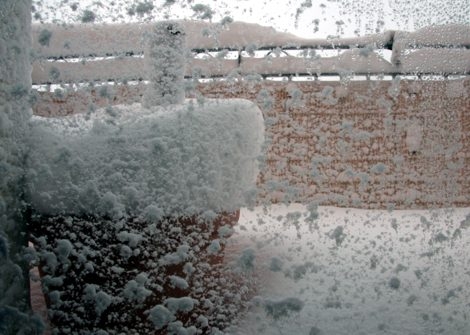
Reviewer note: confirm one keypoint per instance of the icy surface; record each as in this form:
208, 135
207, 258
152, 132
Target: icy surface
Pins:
184, 159
382, 272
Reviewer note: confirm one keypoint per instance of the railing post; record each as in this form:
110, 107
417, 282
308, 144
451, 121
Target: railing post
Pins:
164, 57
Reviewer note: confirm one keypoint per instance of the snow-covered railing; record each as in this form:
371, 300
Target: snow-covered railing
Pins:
83, 53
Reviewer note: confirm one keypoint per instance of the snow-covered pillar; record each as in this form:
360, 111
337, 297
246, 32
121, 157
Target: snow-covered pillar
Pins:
164, 58
15, 86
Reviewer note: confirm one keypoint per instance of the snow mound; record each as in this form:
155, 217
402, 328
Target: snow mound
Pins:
185, 159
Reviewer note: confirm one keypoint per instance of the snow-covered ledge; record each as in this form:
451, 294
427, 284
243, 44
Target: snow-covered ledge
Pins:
160, 158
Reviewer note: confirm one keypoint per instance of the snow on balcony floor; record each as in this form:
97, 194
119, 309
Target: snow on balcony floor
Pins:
355, 271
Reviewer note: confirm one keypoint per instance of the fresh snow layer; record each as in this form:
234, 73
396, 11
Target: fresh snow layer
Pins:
345, 271
179, 160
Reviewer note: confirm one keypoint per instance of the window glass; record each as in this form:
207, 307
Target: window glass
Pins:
245, 167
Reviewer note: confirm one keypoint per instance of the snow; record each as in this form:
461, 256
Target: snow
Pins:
63, 249
165, 64
183, 304
328, 270
177, 257
445, 35
178, 282
160, 316
435, 49
414, 136
350, 61
317, 269
132, 239
15, 85
100, 299
282, 308
436, 61
182, 159
135, 289
353, 271
125, 252
246, 261
164, 157
123, 69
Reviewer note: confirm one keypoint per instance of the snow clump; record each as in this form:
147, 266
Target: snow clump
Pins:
160, 316
282, 308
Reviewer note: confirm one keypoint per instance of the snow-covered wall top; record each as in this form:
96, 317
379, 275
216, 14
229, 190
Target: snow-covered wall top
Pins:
127, 160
